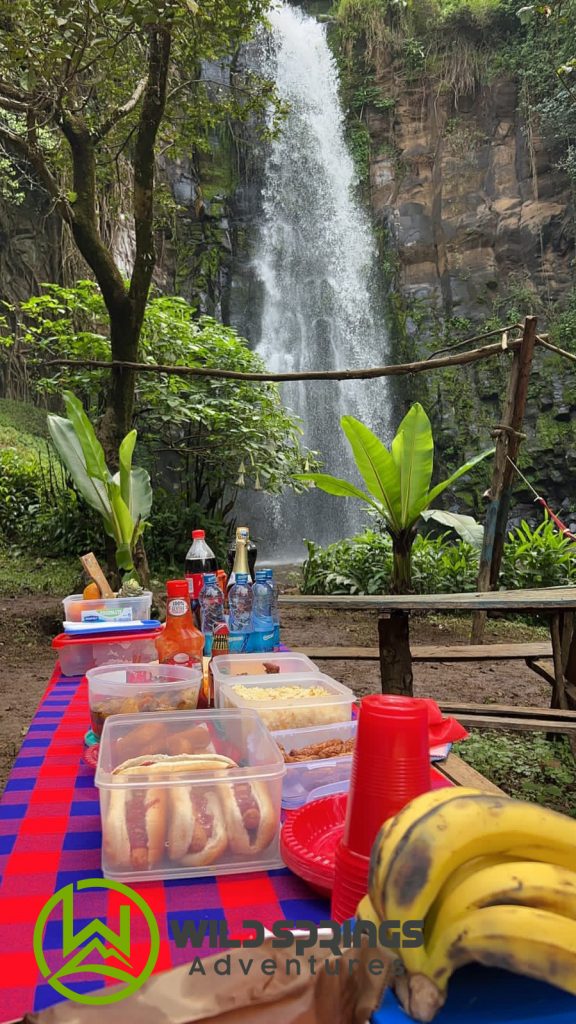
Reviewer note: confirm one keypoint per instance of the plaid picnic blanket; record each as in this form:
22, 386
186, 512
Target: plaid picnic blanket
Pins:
50, 836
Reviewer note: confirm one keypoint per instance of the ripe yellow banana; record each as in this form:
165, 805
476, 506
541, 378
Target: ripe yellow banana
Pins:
395, 828
518, 883
535, 943
464, 872
439, 842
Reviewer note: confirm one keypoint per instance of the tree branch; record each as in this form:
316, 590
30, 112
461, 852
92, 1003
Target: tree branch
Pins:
84, 213
32, 154
395, 370
151, 114
123, 111
9, 104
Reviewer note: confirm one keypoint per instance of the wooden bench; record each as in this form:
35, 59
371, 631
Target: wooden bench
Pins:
432, 652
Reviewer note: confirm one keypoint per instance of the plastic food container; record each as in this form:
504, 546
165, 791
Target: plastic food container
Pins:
252, 667
131, 689
302, 777
78, 654
290, 702
123, 609
169, 852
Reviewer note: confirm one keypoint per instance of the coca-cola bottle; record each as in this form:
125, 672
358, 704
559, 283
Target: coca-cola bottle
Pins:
199, 560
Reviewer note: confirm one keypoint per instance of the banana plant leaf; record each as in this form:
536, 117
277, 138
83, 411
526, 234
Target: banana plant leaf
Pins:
436, 491
93, 452
376, 466
93, 490
465, 526
334, 485
413, 455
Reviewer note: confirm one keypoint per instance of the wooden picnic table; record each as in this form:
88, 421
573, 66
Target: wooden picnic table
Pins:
557, 604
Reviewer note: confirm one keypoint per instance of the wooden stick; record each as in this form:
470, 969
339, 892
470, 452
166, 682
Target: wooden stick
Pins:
92, 567
507, 444
473, 356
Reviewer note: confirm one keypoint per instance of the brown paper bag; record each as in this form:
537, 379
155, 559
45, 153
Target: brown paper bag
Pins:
178, 997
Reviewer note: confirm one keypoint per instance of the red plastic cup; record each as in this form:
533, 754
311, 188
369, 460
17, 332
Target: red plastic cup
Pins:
391, 765
350, 883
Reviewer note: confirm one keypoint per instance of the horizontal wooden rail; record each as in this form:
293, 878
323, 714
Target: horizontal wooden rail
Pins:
432, 652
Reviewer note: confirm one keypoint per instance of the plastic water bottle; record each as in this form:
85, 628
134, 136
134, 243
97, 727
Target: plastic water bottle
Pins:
211, 601
275, 609
262, 597
240, 604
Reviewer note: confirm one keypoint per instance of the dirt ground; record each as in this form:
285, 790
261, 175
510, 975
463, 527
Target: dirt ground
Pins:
28, 623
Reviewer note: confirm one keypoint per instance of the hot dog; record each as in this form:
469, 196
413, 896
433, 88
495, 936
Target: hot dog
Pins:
197, 832
249, 816
135, 828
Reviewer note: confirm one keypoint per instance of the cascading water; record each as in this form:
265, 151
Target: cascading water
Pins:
314, 264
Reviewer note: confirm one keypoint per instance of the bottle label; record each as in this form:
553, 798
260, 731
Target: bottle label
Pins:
177, 606
182, 659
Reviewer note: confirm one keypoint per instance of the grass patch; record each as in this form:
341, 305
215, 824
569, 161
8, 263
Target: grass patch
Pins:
23, 417
526, 766
22, 573
510, 629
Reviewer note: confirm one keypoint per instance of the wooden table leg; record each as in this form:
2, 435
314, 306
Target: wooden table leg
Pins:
395, 657
561, 632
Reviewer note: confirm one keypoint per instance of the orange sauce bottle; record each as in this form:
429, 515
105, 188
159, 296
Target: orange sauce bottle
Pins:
180, 642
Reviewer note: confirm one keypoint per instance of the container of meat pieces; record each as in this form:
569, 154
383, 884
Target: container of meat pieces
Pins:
320, 756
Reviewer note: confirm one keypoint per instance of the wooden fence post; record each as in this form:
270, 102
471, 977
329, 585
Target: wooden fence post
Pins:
508, 439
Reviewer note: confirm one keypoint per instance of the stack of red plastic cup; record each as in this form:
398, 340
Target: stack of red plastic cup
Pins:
391, 766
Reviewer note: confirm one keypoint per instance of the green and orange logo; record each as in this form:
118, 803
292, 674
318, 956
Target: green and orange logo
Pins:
96, 951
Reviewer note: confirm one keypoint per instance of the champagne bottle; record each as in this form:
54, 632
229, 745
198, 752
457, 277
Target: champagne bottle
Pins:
240, 561
244, 533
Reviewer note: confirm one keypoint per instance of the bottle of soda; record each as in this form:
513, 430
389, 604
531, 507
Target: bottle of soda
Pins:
199, 560
244, 533
275, 607
179, 643
211, 608
240, 604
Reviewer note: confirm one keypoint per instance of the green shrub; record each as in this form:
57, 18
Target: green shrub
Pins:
526, 766
533, 558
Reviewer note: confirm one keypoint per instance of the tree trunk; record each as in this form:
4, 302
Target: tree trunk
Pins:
395, 656
117, 419
402, 562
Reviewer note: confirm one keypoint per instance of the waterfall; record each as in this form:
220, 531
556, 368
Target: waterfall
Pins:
313, 267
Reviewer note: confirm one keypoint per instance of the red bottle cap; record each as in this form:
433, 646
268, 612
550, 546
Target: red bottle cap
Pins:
177, 588
198, 534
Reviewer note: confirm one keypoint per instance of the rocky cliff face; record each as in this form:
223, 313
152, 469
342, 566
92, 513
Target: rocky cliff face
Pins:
475, 217
470, 197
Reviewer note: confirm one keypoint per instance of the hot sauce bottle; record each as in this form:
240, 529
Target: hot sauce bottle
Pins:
179, 643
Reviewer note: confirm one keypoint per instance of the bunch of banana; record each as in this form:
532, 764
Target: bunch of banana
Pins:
494, 881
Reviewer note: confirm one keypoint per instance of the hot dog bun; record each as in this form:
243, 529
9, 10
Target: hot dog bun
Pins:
169, 764
197, 833
251, 827
135, 828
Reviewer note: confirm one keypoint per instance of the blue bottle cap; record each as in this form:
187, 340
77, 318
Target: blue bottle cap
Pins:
269, 574
241, 577
209, 577
261, 575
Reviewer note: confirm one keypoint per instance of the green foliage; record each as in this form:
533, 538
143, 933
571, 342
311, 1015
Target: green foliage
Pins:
539, 557
124, 499
363, 565
221, 433
526, 766
22, 572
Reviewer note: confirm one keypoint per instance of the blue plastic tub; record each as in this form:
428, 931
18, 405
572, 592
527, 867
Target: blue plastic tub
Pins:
482, 995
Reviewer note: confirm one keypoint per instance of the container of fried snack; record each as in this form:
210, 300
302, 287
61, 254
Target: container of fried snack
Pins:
319, 756
131, 689
290, 701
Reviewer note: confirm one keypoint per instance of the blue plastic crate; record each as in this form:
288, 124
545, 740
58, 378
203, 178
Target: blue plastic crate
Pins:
482, 995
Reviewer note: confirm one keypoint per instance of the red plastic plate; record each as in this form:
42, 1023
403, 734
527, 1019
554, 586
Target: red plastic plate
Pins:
311, 834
